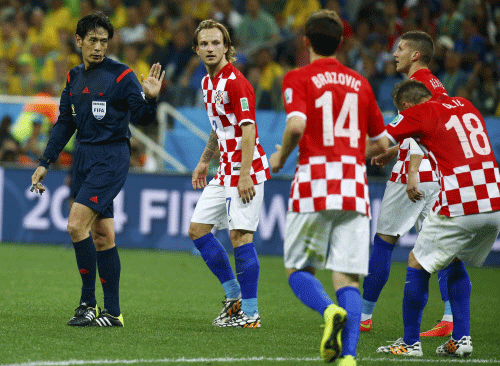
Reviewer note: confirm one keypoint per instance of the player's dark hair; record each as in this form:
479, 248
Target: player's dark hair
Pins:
209, 24
93, 21
410, 91
421, 42
324, 30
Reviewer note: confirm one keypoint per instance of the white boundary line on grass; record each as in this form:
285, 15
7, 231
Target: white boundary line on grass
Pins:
244, 359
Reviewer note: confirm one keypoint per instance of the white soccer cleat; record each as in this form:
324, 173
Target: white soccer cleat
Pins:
453, 348
399, 347
231, 308
242, 320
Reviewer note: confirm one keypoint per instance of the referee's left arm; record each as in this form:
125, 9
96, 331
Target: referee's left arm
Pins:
142, 110
141, 99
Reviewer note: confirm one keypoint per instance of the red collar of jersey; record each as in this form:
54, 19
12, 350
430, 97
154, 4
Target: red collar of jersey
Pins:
421, 71
221, 71
326, 60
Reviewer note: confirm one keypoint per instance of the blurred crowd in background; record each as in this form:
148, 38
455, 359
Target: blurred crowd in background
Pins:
37, 47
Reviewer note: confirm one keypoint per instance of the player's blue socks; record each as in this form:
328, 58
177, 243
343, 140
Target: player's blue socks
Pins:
459, 288
232, 289
86, 261
108, 263
310, 291
378, 273
443, 288
215, 256
247, 272
415, 298
349, 298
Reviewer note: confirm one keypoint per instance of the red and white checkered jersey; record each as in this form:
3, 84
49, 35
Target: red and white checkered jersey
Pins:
454, 134
425, 172
400, 170
230, 101
340, 109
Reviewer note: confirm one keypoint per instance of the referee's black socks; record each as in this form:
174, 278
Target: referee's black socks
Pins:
86, 260
108, 263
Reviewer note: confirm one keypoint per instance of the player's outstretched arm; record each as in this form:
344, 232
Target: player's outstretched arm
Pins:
152, 84
386, 157
37, 178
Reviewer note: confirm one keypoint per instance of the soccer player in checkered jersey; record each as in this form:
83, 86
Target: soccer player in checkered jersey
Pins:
331, 110
412, 172
465, 220
233, 198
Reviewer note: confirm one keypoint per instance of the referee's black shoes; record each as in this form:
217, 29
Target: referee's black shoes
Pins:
107, 320
84, 315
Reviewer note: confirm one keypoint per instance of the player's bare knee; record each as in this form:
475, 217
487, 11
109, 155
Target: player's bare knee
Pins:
341, 280
391, 239
197, 230
413, 262
192, 232
290, 271
240, 237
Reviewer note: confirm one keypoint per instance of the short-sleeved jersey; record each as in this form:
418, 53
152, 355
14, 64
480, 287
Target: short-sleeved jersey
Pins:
340, 109
99, 103
230, 102
425, 172
454, 134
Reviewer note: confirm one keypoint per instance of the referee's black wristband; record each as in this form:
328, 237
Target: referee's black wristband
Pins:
45, 162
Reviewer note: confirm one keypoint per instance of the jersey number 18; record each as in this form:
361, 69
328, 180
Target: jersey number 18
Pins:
475, 132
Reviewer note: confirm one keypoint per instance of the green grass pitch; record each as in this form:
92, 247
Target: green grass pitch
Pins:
169, 300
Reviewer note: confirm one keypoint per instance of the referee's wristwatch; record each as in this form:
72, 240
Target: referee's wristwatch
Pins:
45, 162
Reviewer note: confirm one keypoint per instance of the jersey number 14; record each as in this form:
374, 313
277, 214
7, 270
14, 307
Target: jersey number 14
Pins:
348, 115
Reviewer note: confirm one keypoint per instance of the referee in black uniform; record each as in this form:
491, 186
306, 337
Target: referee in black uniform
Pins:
100, 98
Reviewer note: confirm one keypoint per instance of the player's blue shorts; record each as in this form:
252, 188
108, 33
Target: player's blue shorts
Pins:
99, 173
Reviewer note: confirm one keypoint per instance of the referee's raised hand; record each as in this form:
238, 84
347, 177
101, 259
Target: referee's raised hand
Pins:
152, 84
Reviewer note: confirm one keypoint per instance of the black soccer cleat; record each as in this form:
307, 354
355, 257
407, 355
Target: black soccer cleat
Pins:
84, 315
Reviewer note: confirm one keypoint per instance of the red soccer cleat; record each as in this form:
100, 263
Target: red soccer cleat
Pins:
366, 326
441, 329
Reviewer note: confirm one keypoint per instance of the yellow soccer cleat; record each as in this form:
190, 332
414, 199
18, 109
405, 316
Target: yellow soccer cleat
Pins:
346, 361
331, 343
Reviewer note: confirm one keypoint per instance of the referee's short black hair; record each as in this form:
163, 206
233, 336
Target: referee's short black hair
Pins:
92, 21
324, 30
409, 91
